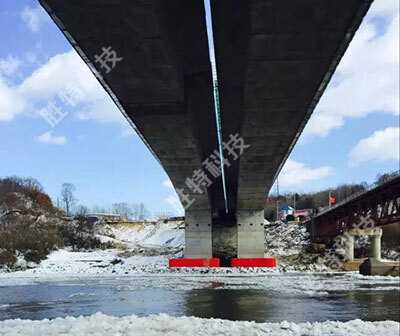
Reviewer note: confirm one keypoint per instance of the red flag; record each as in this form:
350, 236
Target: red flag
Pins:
332, 200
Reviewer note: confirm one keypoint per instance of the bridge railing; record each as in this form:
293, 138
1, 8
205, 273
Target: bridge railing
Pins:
388, 177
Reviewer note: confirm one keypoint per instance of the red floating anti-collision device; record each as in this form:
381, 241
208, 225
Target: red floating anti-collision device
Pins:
253, 262
201, 262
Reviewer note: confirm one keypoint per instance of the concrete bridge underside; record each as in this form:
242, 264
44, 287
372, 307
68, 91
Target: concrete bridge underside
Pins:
274, 60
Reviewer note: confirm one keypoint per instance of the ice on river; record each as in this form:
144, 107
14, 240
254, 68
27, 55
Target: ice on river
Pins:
162, 324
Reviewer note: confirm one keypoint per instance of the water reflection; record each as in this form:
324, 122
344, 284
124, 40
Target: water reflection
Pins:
261, 306
373, 305
228, 304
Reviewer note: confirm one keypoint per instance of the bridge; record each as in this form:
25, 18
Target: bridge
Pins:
274, 60
363, 213
380, 203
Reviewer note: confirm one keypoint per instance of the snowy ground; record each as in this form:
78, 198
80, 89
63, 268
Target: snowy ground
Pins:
162, 324
283, 239
146, 249
161, 234
131, 262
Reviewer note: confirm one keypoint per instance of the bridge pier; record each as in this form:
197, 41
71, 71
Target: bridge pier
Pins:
199, 237
198, 234
349, 247
250, 234
375, 233
376, 245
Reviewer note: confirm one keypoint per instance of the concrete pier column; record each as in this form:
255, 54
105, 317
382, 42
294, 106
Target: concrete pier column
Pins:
250, 234
198, 234
376, 245
349, 247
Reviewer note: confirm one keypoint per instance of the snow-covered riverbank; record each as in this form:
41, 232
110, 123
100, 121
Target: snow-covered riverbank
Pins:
139, 262
146, 249
162, 324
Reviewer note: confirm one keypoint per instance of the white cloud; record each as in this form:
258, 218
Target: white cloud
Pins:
173, 199
128, 131
296, 173
381, 145
168, 184
34, 17
10, 104
49, 139
52, 77
175, 204
46, 82
9, 65
384, 8
366, 80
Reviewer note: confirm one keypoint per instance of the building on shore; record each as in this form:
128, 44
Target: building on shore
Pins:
290, 214
105, 218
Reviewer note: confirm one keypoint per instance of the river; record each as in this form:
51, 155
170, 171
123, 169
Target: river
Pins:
291, 297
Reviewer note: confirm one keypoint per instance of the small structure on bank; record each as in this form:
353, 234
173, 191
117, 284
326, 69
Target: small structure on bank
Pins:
290, 214
105, 218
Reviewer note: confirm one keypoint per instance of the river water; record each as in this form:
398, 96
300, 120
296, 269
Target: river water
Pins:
295, 298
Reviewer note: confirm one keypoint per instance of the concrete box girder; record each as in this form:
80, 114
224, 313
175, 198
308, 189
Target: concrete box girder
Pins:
163, 84
285, 52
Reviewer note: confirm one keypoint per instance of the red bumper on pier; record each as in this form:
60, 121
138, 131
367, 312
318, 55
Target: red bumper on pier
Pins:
253, 262
201, 262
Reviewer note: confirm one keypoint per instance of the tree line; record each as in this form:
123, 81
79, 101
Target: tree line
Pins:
31, 227
129, 211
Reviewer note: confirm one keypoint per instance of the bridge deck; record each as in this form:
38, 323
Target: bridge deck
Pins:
274, 60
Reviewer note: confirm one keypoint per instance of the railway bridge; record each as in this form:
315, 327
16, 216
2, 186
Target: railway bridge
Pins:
363, 213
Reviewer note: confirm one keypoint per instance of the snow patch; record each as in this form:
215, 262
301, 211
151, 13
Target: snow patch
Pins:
159, 234
162, 324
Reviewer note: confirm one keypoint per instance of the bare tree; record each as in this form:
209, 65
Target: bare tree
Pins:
143, 212
99, 209
128, 211
82, 210
135, 211
383, 178
32, 183
67, 197
123, 209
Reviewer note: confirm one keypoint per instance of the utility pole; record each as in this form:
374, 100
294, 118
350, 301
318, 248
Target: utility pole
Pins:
294, 201
277, 209
329, 199
277, 186
277, 201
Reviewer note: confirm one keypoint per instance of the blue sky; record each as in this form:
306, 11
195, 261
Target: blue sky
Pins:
352, 136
